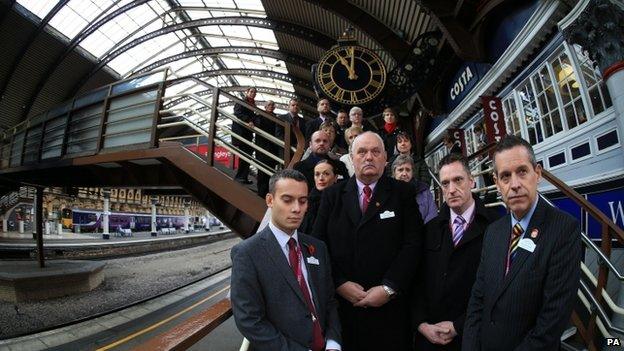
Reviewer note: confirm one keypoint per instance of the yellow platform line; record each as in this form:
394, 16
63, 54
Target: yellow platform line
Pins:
156, 325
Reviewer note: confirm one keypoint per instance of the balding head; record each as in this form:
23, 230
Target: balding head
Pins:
369, 157
319, 143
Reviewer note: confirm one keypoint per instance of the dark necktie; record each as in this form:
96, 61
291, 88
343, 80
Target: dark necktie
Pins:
318, 341
516, 234
367, 197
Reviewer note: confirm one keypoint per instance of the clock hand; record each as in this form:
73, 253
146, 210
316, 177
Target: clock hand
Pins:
352, 74
344, 62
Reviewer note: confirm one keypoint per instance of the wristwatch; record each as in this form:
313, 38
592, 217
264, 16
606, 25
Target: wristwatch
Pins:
391, 293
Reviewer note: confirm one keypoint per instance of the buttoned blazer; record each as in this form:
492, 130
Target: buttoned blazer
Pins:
267, 302
528, 308
381, 246
447, 273
311, 127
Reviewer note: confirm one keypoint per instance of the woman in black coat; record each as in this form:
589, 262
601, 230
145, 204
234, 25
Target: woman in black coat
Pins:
324, 176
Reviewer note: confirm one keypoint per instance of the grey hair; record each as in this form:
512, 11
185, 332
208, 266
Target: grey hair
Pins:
510, 141
401, 160
355, 109
351, 147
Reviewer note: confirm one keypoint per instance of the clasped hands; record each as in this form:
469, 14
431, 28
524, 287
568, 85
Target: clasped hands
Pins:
440, 333
355, 293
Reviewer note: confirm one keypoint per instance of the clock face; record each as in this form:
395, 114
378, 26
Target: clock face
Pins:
351, 75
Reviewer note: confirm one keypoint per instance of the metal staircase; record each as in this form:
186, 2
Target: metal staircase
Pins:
141, 133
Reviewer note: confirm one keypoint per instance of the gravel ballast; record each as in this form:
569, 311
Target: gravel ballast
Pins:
127, 280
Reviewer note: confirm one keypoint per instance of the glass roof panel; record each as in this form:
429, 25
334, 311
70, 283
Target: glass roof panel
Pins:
146, 18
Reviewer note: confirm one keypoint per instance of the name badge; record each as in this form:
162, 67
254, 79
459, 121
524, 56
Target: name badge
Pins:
386, 214
313, 260
527, 244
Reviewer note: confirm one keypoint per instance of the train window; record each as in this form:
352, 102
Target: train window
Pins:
556, 160
607, 140
580, 151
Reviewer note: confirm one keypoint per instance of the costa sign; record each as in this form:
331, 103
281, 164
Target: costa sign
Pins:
494, 118
458, 136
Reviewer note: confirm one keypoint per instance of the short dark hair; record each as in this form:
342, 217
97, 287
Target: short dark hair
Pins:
452, 158
342, 110
510, 141
285, 174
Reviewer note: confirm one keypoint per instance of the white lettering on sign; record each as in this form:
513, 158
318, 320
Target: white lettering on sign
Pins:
494, 117
461, 83
615, 213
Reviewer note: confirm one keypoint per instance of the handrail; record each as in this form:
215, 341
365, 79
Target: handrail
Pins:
481, 151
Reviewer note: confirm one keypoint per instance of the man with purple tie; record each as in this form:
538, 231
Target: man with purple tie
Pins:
282, 291
451, 253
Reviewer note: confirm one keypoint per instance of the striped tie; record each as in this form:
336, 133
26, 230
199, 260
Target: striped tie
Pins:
516, 234
458, 229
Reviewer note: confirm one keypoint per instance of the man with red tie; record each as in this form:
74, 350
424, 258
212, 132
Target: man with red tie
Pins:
373, 229
528, 276
282, 291
451, 253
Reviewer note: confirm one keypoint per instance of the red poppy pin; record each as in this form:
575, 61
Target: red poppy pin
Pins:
534, 233
311, 249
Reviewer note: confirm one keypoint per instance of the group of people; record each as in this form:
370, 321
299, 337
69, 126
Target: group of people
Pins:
326, 138
366, 272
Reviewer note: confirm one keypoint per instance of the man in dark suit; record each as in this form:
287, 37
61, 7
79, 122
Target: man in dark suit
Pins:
292, 116
451, 254
528, 276
319, 145
282, 291
247, 117
372, 227
312, 126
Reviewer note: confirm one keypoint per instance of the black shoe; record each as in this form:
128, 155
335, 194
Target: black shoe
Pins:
244, 181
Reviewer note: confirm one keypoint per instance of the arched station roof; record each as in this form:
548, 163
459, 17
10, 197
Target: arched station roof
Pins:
53, 50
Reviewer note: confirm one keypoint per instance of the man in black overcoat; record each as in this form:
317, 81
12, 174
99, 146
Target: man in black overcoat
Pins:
373, 230
451, 253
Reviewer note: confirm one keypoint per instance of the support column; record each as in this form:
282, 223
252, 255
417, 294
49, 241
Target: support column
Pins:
599, 29
34, 216
38, 227
20, 226
5, 224
207, 224
47, 228
154, 201
59, 228
106, 214
187, 204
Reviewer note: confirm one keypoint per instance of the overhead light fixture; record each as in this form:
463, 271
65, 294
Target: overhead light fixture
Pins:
566, 75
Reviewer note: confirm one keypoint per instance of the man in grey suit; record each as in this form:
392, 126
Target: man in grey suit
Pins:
282, 291
528, 276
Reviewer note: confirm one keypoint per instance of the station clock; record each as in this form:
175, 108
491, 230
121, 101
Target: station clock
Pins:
351, 75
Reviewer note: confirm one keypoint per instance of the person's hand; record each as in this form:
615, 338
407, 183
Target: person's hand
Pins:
351, 291
435, 333
250, 124
375, 297
447, 325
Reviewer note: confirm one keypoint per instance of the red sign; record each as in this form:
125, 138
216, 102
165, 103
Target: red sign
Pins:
221, 154
494, 118
458, 136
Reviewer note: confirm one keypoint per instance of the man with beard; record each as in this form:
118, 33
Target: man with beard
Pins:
319, 146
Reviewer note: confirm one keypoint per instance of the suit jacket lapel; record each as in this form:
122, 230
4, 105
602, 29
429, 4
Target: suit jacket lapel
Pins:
313, 272
351, 201
522, 255
279, 261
